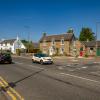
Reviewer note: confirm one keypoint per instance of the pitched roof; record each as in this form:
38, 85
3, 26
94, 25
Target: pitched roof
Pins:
91, 43
8, 41
66, 37
36, 45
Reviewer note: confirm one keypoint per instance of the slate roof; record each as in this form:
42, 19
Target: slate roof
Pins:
8, 41
66, 37
91, 43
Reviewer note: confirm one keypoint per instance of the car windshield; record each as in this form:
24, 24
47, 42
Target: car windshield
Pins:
42, 55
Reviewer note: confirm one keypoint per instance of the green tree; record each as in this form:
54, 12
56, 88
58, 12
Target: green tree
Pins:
44, 34
29, 45
70, 30
24, 41
86, 34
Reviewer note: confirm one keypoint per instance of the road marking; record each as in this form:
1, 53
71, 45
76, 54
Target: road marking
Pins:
60, 68
35, 67
28, 65
80, 77
11, 91
8, 92
18, 63
84, 67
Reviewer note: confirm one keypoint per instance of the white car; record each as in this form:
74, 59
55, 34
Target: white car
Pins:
42, 58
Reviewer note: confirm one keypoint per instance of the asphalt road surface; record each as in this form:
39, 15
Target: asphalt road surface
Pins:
33, 81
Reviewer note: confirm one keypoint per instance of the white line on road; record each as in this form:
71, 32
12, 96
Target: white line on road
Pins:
84, 67
28, 65
80, 77
18, 63
35, 67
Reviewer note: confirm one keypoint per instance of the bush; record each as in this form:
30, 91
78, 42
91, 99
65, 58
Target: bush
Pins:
86, 55
18, 52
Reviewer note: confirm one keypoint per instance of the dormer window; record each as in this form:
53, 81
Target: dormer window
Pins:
62, 41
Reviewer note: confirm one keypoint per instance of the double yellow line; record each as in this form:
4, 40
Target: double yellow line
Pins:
10, 91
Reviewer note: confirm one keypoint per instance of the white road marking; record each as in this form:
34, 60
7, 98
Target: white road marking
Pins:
80, 77
84, 67
35, 67
60, 68
18, 63
28, 65
96, 73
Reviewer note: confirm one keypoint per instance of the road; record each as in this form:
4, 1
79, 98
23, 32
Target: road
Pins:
52, 82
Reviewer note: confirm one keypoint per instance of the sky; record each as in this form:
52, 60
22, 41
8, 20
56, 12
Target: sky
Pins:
30, 18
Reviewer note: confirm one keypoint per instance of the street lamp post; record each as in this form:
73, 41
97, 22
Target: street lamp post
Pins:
28, 27
96, 36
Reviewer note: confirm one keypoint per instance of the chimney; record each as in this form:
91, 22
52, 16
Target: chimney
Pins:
44, 34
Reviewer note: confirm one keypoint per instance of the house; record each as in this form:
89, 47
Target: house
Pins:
92, 48
36, 47
11, 45
62, 44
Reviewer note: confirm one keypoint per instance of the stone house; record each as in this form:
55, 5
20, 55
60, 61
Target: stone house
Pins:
62, 44
92, 47
88, 47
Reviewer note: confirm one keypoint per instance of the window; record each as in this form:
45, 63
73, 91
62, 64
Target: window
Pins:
53, 41
91, 48
62, 50
3, 44
62, 41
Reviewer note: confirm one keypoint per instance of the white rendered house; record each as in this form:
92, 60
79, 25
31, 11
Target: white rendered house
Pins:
12, 45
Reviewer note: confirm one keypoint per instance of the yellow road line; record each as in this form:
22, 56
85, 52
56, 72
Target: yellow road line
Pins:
8, 92
12, 90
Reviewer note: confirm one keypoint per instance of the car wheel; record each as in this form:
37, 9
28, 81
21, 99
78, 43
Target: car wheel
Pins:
41, 62
10, 62
52, 62
33, 61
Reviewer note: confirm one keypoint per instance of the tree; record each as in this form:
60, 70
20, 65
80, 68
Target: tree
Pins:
70, 30
29, 45
86, 34
44, 34
24, 41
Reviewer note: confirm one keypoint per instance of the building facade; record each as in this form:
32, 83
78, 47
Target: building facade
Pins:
11, 45
92, 48
62, 44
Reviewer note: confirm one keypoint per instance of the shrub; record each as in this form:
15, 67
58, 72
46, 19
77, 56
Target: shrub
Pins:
86, 55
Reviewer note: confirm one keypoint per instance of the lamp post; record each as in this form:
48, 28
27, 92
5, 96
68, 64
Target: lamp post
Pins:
28, 27
96, 36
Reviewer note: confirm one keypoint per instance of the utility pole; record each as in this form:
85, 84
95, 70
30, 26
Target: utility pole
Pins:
96, 36
28, 27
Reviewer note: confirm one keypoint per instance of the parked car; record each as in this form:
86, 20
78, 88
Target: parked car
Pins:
42, 58
5, 58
